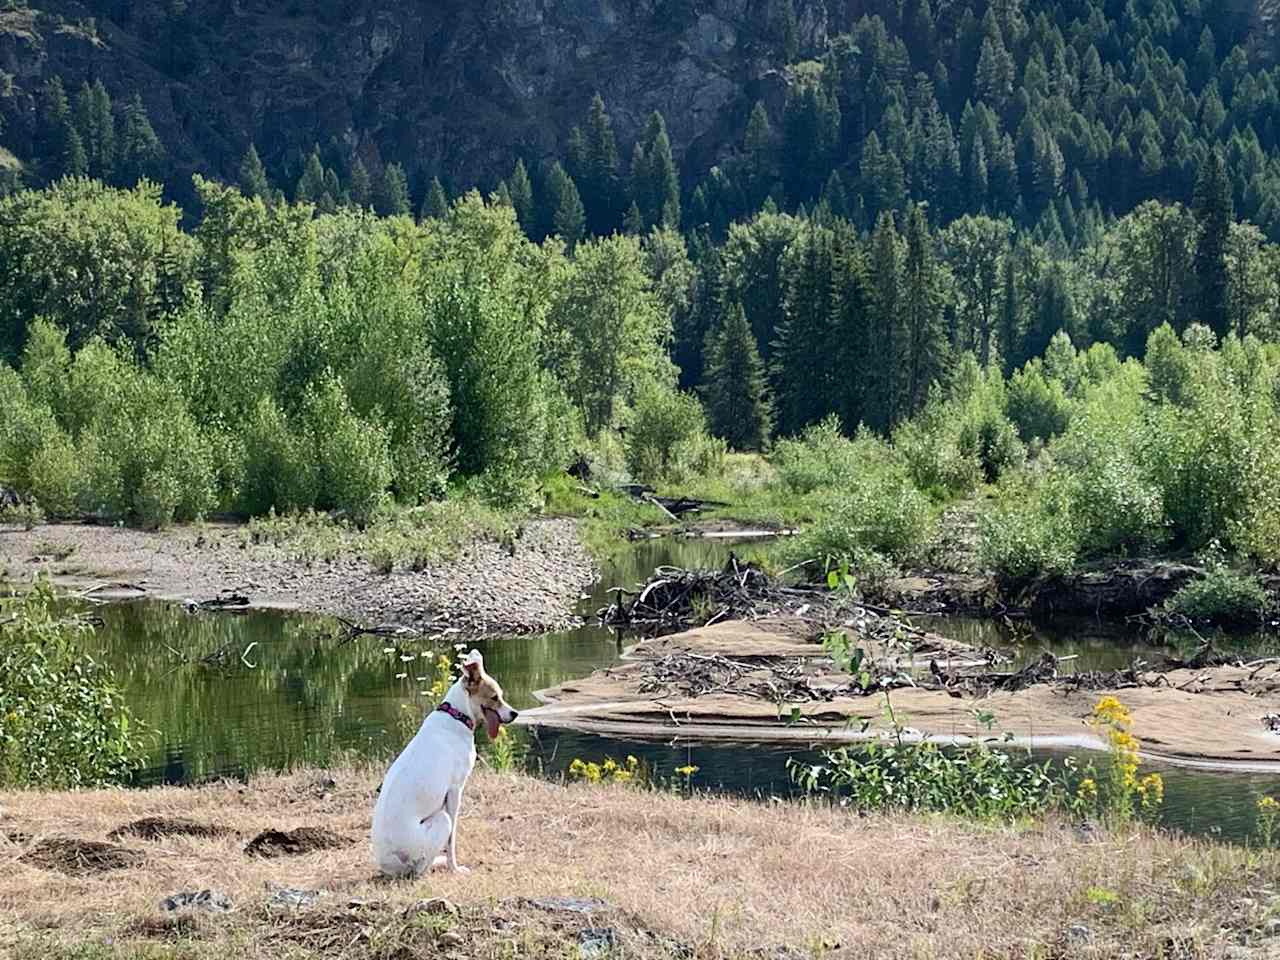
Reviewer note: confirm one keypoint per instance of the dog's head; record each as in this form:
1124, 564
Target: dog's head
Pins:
485, 695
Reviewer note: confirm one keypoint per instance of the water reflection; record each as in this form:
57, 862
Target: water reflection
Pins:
227, 693
1200, 802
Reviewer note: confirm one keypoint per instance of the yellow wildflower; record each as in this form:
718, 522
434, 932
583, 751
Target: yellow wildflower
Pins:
688, 770
610, 765
1268, 804
1151, 789
632, 762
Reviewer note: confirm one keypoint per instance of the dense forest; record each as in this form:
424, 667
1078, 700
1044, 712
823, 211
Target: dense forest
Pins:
1028, 248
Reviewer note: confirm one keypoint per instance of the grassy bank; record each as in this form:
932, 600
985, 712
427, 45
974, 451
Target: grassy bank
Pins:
676, 876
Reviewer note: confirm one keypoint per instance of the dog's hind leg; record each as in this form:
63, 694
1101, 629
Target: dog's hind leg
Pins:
413, 854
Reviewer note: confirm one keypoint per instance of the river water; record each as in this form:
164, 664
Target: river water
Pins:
230, 693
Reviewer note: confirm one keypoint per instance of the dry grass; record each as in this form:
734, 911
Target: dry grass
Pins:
699, 876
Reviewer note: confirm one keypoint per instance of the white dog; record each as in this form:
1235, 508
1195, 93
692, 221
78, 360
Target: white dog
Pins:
416, 816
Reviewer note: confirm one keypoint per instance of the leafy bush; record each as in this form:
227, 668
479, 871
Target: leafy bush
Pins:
280, 472
882, 514
1222, 595
663, 420
62, 722
929, 445
352, 455
1026, 535
974, 781
823, 458
1038, 408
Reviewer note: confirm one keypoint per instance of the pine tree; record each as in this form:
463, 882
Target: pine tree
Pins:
75, 161
757, 146
310, 187
1214, 213
393, 192
435, 206
253, 175
925, 348
55, 128
835, 197
360, 186
884, 394
521, 190
655, 183
332, 195
801, 366
565, 206
140, 150
633, 222
852, 348
734, 388
599, 180
95, 123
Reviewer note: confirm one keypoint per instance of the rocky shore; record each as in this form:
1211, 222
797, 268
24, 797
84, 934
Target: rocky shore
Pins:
530, 584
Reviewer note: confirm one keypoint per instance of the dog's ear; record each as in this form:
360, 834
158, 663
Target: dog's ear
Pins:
473, 665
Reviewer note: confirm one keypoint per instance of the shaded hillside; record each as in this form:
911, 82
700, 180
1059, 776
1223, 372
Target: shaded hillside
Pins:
453, 88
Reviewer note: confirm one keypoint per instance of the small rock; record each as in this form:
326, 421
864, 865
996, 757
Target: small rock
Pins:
1273, 928
596, 942
207, 901
293, 897
434, 906
569, 904
450, 939
1079, 933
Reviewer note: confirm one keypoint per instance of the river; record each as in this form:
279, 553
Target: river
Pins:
230, 693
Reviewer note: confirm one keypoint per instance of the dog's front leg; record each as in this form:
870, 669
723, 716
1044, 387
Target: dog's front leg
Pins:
452, 804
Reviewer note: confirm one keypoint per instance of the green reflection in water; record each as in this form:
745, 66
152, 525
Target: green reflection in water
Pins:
287, 692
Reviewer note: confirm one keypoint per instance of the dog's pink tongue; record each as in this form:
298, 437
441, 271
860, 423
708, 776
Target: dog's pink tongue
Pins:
491, 722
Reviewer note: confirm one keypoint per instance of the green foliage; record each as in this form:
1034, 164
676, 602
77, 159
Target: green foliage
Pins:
63, 724
666, 427
894, 774
822, 458
93, 260
1222, 596
880, 514
1027, 534
606, 331
1038, 408
734, 387
352, 455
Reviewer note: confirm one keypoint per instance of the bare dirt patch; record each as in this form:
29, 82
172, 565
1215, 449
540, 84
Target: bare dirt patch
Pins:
77, 858
531, 584
294, 843
155, 828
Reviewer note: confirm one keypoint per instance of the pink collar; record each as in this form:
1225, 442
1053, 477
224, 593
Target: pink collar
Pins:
457, 714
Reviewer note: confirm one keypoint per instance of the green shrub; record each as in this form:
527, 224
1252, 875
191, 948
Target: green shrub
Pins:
56, 476
929, 445
1038, 408
973, 781
1222, 595
62, 722
352, 455
823, 458
881, 514
280, 471
663, 420
1029, 533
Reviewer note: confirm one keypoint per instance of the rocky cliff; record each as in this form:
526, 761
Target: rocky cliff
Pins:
452, 87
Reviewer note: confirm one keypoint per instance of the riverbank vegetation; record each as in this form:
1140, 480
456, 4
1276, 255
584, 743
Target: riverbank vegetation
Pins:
869, 388
1036, 887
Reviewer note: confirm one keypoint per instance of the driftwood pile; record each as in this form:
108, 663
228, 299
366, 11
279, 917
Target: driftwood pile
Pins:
777, 680
675, 597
